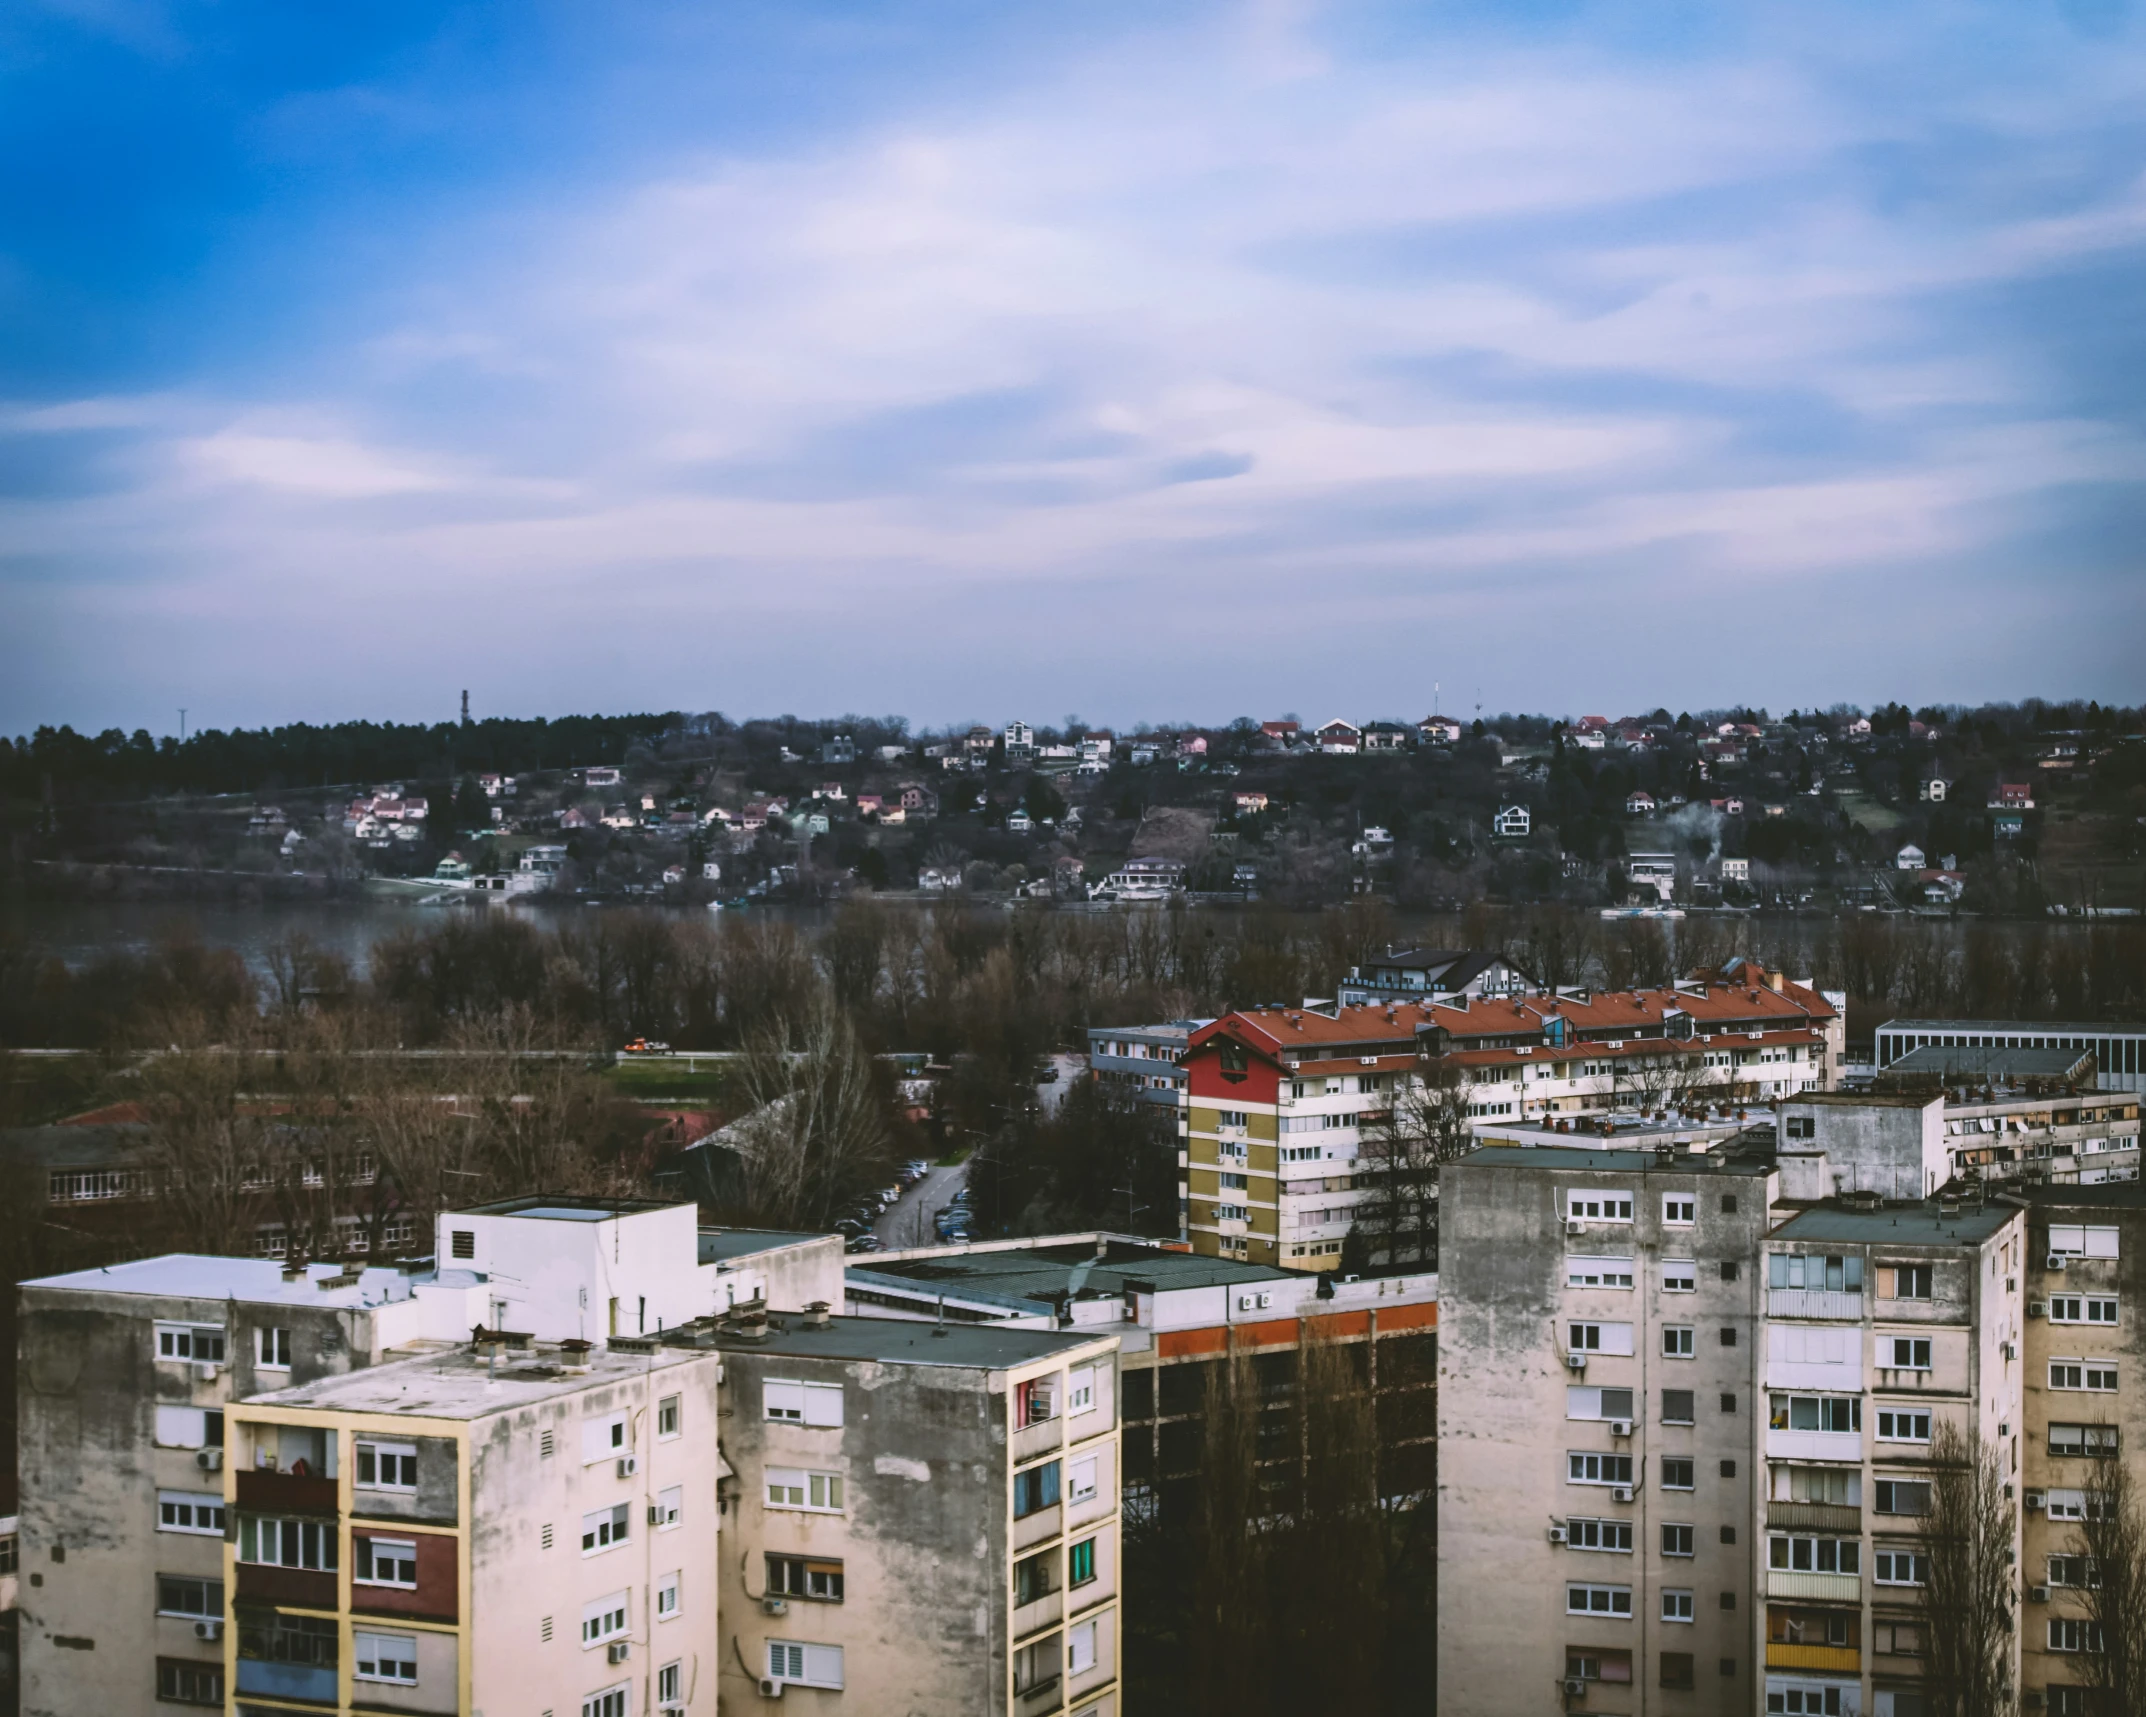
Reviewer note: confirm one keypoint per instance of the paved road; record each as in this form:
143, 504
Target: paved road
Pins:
909, 1223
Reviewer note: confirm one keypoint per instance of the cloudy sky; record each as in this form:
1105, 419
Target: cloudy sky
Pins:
1132, 360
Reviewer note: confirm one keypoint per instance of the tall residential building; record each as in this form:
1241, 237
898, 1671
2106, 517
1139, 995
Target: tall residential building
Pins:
922, 1517
2085, 1373
1598, 1386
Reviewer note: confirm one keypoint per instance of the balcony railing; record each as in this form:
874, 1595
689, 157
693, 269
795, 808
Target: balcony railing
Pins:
1826, 1588
263, 1492
1833, 1657
1814, 1303
1814, 1445
1814, 1517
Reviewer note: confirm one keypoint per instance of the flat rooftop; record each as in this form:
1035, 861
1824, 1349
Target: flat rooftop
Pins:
1923, 1224
720, 1245
2025, 1027
251, 1281
2106, 1195
462, 1383
1581, 1160
1989, 1061
563, 1207
1026, 1277
1861, 1099
905, 1341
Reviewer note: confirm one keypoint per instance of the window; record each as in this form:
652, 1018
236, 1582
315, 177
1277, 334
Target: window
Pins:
197, 1344
667, 1418
667, 1597
1036, 1666
1080, 1648
1614, 1339
1801, 1270
601, 1439
669, 1505
272, 1349
1598, 1469
2074, 1633
2073, 1571
385, 1657
1678, 1406
606, 1619
1598, 1272
1080, 1391
1232, 1118
1229, 1182
1082, 1479
1596, 1206
803, 1403
387, 1466
813, 1577
1678, 1666
1591, 1663
807, 1665
2076, 1242
1679, 1210
2099, 1440
1902, 1496
274, 1543
1728, 1335
1231, 1213
1677, 1472
1583, 1401
1676, 1539
1908, 1352
1900, 1568
670, 1682
190, 1511
1842, 1489
185, 1681
1897, 1639
1797, 1554
1728, 1269
609, 1703
1597, 1600
1679, 1276
184, 1595
1676, 1607
1817, 1413
788, 1487
2082, 1309
1611, 1535
1035, 1577
1895, 1426
2078, 1374
189, 1428
1728, 1204
1035, 1489
604, 1527
1036, 1401
1678, 1341
1080, 1563
1903, 1281
385, 1561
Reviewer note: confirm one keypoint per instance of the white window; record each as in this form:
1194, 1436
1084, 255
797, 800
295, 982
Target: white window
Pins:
272, 1349
1900, 1568
385, 1657
1232, 1118
387, 1466
1679, 1210
667, 1416
1676, 1605
189, 1428
667, 1590
1908, 1352
1812, 1344
606, 1619
807, 1665
385, 1562
1605, 1535
1588, 1468
1680, 1276
1679, 1341
1081, 1480
1080, 1648
604, 1527
792, 1487
670, 1681
274, 1543
2081, 1374
669, 1505
1232, 1213
2074, 1505
611, 1702
2078, 1242
803, 1403
1584, 1401
2074, 1633
197, 1344
1228, 1182
190, 1511
1080, 1390
1599, 1338
2083, 1439
1895, 1426
1597, 1600
2082, 1309
1598, 1206
602, 1439
1598, 1272
181, 1595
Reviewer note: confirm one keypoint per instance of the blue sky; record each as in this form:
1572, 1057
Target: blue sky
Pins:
1144, 362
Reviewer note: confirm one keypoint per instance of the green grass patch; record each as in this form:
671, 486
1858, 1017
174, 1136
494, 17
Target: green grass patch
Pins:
656, 1082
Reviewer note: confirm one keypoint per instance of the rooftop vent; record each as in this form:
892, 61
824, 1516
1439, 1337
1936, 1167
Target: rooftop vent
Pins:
817, 1316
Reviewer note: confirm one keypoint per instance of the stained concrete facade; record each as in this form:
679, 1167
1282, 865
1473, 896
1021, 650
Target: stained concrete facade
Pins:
1893, 1146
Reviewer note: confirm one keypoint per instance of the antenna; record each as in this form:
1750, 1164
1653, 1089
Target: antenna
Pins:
182, 724
465, 706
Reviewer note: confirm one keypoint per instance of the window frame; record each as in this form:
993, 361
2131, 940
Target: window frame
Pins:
365, 1555
195, 1501
605, 1529
1608, 1592
368, 1453
830, 1486
406, 1667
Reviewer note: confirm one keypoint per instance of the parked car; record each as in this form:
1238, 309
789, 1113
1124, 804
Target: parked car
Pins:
866, 1243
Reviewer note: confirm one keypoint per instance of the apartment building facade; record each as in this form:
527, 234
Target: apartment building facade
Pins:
922, 1518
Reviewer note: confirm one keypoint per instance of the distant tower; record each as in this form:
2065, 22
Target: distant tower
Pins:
465, 708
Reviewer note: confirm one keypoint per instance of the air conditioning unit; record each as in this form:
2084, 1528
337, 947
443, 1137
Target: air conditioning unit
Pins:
2010, 1352
628, 1465
1575, 1688
2055, 1260
2037, 1308
1574, 1226
1575, 1362
1620, 1427
654, 1514
774, 1606
207, 1369
1557, 1535
2034, 1501
208, 1630
618, 1651
1623, 1493
210, 1460
770, 1688
2037, 1594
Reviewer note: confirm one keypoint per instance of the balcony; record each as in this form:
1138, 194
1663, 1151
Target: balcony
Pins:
313, 1683
1839, 1659
1814, 1445
1827, 1588
1815, 1517
1037, 1439
263, 1492
301, 1588
1828, 1303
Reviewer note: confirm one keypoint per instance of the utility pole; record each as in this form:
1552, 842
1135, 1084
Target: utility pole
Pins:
465, 706
182, 724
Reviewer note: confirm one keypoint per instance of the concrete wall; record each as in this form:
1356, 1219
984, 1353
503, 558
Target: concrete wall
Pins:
628, 1274
1896, 1149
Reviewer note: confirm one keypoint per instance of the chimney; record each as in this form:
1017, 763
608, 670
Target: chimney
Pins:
1773, 982
816, 1315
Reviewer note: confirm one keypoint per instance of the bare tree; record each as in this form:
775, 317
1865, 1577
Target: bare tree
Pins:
1967, 1611
208, 1153
820, 1121
1230, 1644
2113, 1540
1398, 1165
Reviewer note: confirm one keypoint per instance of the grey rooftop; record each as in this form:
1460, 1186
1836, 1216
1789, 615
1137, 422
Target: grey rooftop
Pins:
904, 1341
1568, 1160
720, 1245
252, 1281
1923, 1224
464, 1383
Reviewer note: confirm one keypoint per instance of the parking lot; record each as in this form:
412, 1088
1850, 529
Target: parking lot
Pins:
909, 1223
